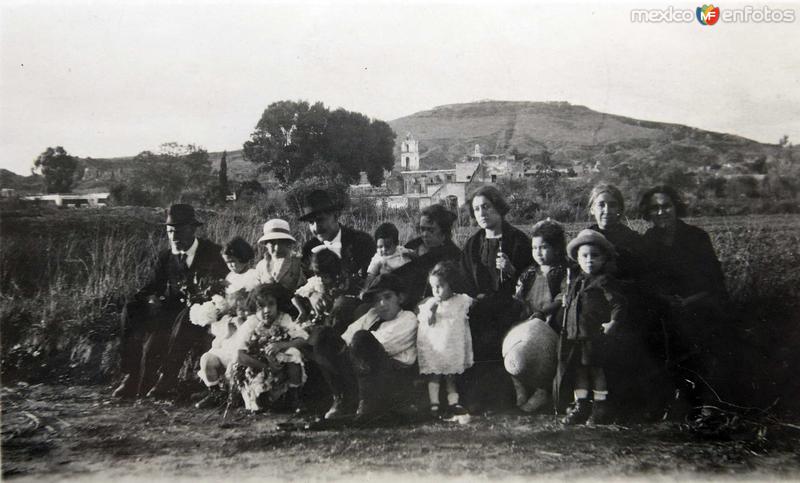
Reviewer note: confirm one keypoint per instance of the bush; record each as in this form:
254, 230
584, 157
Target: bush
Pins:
124, 195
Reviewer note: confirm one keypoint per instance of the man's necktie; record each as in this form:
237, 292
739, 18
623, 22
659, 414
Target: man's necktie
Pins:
182, 262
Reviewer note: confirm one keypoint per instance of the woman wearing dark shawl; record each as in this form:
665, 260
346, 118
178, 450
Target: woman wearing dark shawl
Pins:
492, 260
686, 279
433, 245
632, 371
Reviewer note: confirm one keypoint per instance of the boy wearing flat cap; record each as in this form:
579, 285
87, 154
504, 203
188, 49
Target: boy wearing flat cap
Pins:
378, 352
155, 323
593, 307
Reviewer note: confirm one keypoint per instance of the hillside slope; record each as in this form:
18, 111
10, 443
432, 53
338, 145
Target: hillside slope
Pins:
572, 134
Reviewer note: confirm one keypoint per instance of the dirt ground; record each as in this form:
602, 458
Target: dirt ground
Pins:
52, 433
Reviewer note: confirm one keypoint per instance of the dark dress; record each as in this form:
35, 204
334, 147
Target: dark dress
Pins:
538, 293
688, 266
631, 263
633, 368
696, 337
415, 272
493, 313
530, 347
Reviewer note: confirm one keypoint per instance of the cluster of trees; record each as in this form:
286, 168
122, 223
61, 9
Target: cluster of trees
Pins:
173, 172
58, 169
296, 140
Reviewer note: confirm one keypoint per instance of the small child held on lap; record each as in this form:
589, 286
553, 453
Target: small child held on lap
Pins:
215, 362
389, 255
238, 254
593, 307
444, 341
314, 300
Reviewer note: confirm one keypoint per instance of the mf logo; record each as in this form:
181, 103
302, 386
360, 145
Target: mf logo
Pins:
707, 14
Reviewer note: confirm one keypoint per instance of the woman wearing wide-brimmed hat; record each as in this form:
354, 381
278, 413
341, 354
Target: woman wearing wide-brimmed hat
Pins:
280, 264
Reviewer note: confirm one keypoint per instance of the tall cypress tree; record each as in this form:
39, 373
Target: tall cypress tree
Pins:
223, 175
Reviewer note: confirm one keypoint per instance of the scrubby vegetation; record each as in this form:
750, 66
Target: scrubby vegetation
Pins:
65, 274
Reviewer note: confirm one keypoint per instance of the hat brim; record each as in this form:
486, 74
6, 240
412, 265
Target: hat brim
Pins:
276, 236
395, 284
311, 214
173, 223
574, 245
320, 209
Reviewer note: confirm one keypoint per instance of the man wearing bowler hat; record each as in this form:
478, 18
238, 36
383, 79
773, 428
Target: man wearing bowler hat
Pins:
156, 333
354, 247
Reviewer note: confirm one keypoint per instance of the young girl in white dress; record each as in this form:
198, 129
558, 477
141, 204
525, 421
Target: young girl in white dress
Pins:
444, 343
269, 363
238, 255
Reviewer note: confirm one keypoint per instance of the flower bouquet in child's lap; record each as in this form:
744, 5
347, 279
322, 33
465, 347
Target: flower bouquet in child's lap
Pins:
268, 363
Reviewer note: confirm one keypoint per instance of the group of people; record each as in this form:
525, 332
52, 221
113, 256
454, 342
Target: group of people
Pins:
608, 325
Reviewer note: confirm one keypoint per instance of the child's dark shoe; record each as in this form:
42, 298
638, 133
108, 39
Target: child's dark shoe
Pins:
579, 413
459, 414
214, 399
457, 410
600, 413
435, 411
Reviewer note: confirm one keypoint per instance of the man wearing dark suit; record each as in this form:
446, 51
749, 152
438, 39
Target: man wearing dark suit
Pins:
354, 247
156, 332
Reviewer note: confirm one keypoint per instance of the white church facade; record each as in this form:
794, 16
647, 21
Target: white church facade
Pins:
412, 187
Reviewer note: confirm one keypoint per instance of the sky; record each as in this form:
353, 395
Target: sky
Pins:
109, 79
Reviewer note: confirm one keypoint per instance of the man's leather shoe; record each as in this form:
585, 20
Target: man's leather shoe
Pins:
160, 389
126, 388
337, 409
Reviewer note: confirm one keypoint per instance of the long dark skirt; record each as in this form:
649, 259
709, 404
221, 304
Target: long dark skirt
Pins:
486, 384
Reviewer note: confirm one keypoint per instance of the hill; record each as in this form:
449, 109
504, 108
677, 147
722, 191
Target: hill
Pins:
572, 135
22, 184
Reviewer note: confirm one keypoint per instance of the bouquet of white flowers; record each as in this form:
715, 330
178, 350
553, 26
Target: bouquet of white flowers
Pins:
206, 313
